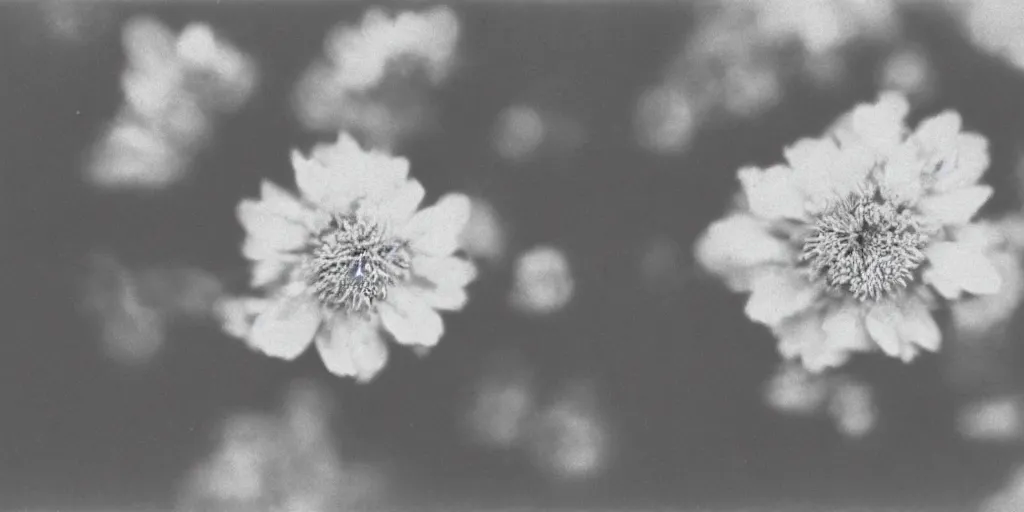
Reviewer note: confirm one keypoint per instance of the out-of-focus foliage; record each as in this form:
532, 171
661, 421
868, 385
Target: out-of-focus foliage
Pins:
135, 307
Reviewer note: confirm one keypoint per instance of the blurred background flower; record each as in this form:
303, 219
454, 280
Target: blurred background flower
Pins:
74, 23
570, 439
542, 281
174, 87
594, 368
502, 401
134, 308
375, 77
284, 461
848, 402
742, 56
995, 26
485, 237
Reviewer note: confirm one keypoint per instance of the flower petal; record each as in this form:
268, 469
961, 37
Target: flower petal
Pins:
444, 298
939, 133
772, 193
280, 201
331, 189
956, 207
353, 348
967, 165
268, 270
237, 314
444, 271
778, 295
396, 208
957, 268
844, 328
335, 175
286, 327
882, 323
901, 329
732, 247
410, 319
979, 315
900, 177
436, 230
824, 171
877, 126
275, 232
347, 172
919, 327
982, 235
258, 249
802, 337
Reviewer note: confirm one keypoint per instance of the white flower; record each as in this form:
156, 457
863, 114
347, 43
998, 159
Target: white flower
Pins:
352, 257
850, 244
984, 315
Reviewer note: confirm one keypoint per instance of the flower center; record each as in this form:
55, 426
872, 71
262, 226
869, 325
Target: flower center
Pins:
354, 262
865, 246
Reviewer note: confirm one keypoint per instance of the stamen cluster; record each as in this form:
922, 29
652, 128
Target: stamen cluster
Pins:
353, 262
866, 246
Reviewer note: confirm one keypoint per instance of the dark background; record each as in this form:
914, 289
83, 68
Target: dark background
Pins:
681, 371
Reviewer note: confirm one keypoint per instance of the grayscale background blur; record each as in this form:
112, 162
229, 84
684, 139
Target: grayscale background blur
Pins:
594, 369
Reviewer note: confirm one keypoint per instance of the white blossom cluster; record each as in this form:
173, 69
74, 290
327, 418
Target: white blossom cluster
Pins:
372, 77
847, 402
285, 461
565, 436
175, 89
744, 53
